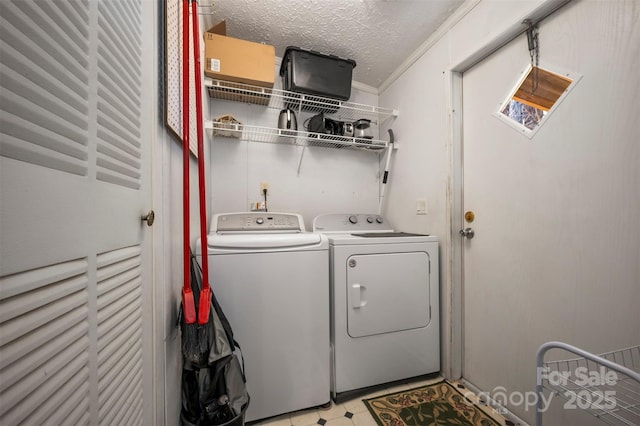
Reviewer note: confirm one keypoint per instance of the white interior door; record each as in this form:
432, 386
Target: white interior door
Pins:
555, 251
76, 114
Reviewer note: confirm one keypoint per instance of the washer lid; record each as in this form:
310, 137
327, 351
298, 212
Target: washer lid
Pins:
263, 241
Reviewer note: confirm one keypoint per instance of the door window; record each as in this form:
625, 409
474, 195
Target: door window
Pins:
533, 99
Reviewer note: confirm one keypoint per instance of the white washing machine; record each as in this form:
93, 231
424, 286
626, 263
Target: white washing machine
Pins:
272, 281
385, 320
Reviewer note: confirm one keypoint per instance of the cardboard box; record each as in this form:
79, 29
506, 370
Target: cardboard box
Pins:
235, 60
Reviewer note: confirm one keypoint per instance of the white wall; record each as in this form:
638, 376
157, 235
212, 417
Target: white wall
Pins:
330, 180
169, 274
168, 279
422, 165
428, 118
333, 180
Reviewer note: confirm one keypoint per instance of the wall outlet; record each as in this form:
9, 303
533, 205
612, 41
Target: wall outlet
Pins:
421, 206
264, 185
258, 206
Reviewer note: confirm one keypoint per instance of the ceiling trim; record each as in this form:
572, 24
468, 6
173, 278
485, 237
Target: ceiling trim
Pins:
364, 87
447, 25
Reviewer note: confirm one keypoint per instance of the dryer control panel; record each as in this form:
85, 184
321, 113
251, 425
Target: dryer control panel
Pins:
351, 223
257, 222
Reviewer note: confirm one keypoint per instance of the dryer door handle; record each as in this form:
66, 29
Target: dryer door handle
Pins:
357, 293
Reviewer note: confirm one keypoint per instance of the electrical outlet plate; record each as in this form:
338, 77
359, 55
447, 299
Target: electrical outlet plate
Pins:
421, 206
264, 185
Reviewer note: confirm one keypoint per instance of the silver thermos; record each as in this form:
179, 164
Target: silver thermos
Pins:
287, 120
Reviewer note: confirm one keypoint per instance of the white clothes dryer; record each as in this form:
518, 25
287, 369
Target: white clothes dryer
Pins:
384, 291
272, 281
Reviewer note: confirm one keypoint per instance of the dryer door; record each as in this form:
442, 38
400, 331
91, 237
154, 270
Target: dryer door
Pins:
387, 292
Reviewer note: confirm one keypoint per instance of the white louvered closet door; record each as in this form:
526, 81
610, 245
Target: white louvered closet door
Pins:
77, 102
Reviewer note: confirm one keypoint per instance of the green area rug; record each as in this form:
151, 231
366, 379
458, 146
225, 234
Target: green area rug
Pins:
436, 404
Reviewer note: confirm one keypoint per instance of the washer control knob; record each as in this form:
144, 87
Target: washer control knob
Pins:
259, 221
369, 219
379, 219
353, 219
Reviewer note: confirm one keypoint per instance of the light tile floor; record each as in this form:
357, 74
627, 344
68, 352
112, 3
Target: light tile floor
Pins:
348, 413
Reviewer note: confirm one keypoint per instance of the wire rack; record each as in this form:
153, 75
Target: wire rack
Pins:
293, 137
280, 99
605, 385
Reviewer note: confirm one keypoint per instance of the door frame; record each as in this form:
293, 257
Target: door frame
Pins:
453, 346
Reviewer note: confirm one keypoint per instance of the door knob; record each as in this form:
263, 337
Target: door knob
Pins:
149, 217
467, 232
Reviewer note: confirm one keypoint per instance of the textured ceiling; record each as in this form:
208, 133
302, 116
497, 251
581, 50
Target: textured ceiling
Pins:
378, 34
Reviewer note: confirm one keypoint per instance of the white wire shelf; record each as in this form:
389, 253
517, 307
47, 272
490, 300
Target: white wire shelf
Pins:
293, 137
606, 385
281, 99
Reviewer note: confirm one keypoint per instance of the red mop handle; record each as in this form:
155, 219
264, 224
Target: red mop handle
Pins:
188, 305
205, 293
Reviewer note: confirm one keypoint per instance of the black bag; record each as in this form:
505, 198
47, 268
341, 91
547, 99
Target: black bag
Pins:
214, 389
